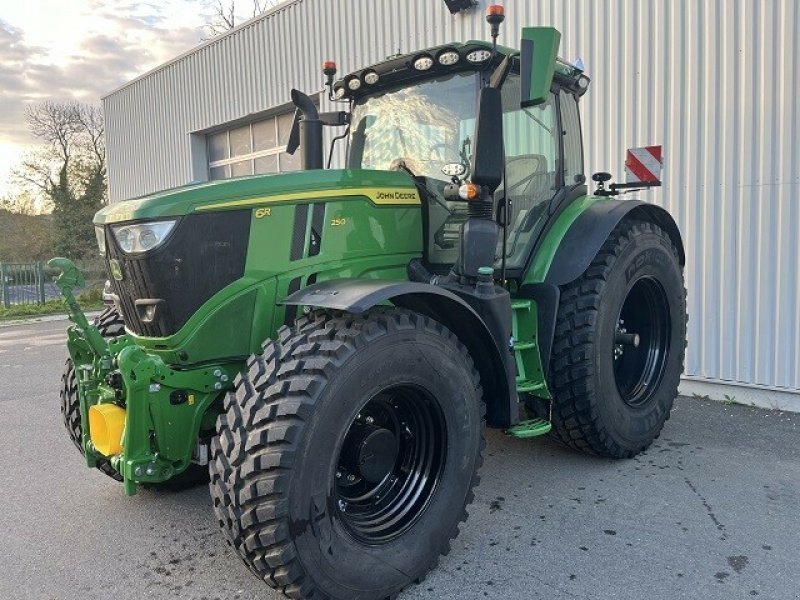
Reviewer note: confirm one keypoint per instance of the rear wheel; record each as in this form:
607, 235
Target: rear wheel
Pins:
619, 344
347, 454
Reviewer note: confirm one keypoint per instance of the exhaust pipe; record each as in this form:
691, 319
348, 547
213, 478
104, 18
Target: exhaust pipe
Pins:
310, 137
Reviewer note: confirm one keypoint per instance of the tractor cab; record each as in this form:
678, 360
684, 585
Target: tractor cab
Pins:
419, 113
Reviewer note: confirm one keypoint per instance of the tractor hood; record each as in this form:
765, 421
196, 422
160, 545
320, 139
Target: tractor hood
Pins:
381, 187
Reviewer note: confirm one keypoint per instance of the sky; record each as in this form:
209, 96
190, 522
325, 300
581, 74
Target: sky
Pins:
81, 50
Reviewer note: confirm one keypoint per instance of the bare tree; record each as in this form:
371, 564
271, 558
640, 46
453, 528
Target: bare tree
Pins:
68, 170
73, 143
227, 14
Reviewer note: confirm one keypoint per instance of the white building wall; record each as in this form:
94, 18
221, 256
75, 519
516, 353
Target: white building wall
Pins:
715, 81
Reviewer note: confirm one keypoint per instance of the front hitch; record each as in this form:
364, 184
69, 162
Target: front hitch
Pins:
136, 411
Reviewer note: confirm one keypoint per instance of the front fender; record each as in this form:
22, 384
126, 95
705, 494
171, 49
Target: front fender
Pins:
359, 295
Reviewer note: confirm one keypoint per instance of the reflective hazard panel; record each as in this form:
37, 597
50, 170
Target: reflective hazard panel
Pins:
643, 165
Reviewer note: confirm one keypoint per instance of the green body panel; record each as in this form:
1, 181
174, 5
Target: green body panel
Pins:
366, 233
271, 188
359, 238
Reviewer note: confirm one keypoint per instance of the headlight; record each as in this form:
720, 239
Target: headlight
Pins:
100, 234
142, 237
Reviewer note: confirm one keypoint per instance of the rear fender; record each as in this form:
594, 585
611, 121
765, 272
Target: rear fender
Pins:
591, 229
576, 250
359, 295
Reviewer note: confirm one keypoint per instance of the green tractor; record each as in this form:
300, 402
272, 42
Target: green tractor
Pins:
330, 344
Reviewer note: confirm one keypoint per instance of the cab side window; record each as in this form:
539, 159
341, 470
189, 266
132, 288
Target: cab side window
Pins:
531, 150
573, 144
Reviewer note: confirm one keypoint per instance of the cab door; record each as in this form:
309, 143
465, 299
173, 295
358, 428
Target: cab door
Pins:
543, 153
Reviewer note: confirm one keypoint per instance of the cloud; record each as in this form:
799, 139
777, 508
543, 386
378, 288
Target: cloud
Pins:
81, 50
120, 41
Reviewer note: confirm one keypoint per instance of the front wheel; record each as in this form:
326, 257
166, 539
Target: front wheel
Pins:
347, 454
619, 344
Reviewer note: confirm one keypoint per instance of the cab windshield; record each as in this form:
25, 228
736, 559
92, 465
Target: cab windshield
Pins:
420, 127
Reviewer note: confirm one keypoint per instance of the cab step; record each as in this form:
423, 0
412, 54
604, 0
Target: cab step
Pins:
530, 387
529, 429
530, 375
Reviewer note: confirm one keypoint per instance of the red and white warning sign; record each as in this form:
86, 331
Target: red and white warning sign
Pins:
643, 165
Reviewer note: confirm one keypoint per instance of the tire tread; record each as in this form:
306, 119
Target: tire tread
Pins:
262, 426
576, 418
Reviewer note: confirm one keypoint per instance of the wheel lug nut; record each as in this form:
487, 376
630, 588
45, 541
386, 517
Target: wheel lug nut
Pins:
351, 477
338, 474
370, 420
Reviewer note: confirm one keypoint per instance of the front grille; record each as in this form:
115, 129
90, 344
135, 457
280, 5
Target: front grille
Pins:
203, 254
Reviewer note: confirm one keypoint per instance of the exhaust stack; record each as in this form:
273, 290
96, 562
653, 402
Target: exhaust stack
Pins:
306, 131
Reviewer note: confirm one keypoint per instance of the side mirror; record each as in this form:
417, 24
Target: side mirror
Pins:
538, 54
487, 159
601, 177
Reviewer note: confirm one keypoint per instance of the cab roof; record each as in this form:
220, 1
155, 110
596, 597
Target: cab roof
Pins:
400, 68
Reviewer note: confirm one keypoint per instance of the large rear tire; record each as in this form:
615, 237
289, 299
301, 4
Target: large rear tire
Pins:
347, 454
619, 344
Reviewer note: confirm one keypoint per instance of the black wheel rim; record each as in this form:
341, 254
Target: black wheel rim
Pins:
390, 464
641, 342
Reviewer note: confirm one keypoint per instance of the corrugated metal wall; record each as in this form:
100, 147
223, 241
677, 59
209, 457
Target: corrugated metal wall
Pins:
715, 81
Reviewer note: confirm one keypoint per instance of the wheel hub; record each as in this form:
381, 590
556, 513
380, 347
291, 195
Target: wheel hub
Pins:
369, 452
641, 342
390, 463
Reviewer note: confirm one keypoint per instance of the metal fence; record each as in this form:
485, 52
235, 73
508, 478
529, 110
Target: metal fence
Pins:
24, 283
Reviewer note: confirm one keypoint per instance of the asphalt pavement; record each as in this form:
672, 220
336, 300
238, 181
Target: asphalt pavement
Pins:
709, 512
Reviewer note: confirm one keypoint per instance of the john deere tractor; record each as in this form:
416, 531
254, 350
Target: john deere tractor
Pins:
329, 344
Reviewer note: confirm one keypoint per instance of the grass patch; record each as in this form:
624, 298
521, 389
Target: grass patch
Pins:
91, 299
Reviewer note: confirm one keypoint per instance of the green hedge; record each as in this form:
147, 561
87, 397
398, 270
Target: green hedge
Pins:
91, 299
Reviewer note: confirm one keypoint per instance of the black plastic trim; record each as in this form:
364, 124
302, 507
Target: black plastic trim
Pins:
203, 254
299, 232
317, 226
291, 310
